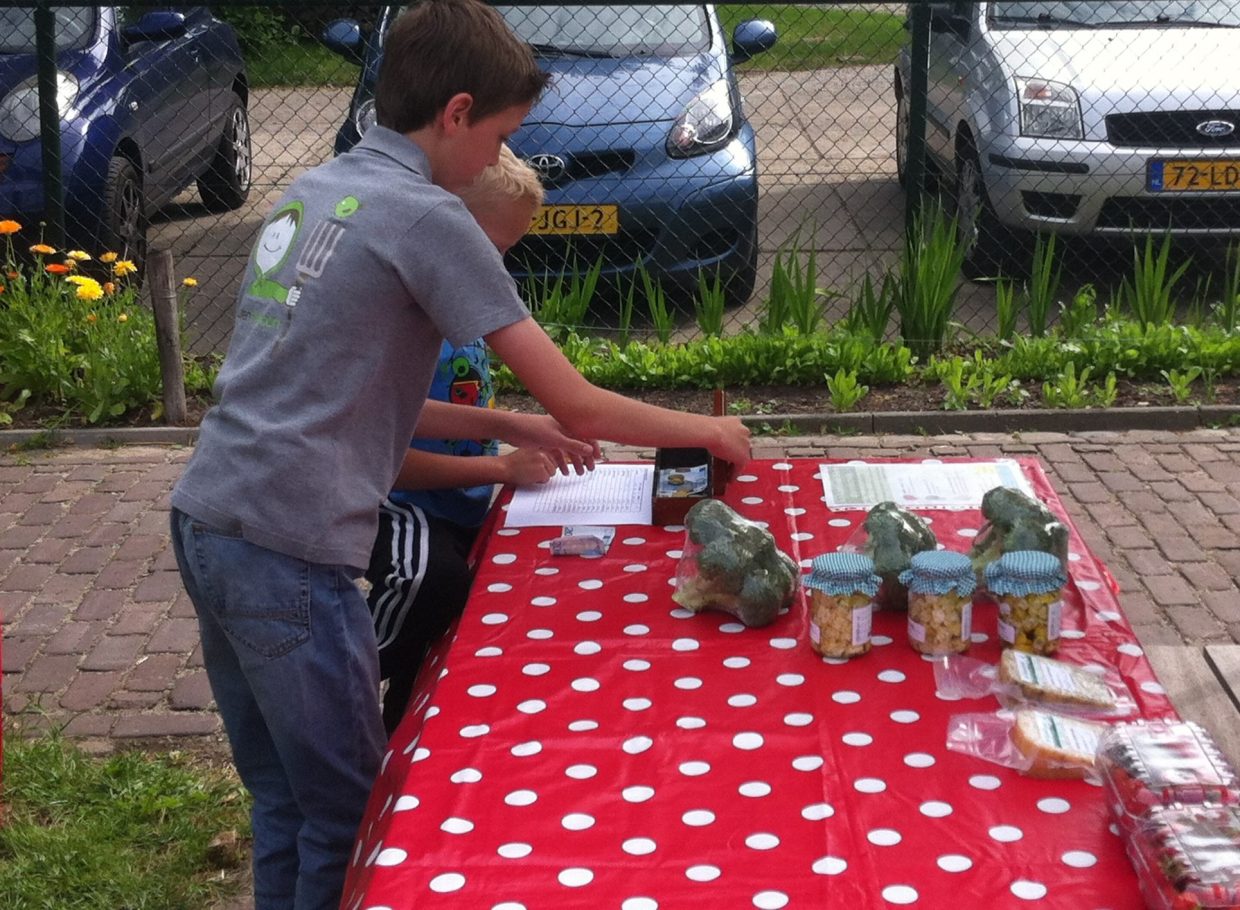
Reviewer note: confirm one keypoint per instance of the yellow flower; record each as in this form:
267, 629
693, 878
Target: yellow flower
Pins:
43, 248
79, 255
89, 290
92, 318
78, 279
108, 257
123, 317
9, 227
189, 282
70, 264
123, 267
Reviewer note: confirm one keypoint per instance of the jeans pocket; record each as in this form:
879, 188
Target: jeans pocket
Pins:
261, 598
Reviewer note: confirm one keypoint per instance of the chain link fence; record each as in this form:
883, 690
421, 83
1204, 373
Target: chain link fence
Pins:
794, 170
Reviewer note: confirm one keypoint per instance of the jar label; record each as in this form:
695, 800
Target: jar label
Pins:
815, 632
1054, 620
916, 631
862, 620
966, 620
1007, 631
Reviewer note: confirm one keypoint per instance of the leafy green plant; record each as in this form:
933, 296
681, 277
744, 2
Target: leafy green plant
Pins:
656, 304
929, 281
1227, 310
1005, 309
1070, 390
1150, 293
561, 308
1081, 312
709, 304
794, 298
1042, 291
845, 390
1181, 382
975, 382
871, 309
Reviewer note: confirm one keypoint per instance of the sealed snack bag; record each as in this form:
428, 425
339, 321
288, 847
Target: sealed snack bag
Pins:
1033, 742
891, 536
1021, 679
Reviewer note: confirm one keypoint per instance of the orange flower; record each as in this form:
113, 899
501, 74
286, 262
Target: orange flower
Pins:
9, 227
56, 269
92, 318
13, 276
1, 289
109, 287
43, 249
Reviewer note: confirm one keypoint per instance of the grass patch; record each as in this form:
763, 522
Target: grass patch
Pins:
298, 63
130, 830
811, 37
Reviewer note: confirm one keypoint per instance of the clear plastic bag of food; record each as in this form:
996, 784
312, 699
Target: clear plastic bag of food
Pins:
1188, 858
891, 536
1033, 742
1021, 679
1014, 521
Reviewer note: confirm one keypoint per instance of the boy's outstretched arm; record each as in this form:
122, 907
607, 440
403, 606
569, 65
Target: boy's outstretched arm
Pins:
587, 412
442, 420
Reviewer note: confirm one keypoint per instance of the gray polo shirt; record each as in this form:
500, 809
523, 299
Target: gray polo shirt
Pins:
359, 273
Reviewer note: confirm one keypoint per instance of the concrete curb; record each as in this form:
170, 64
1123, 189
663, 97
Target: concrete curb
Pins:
871, 423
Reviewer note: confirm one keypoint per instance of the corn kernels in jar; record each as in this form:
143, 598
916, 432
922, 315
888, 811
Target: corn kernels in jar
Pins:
840, 624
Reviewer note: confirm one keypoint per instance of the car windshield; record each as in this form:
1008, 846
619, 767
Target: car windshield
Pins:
1114, 13
75, 27
610, 31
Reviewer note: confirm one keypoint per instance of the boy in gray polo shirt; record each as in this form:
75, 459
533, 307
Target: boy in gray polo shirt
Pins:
364, 266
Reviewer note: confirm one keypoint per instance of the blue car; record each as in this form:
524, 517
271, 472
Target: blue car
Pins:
641, 142
150, 101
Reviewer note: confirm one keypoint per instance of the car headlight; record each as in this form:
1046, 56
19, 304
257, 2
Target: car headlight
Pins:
1049, 110
19, 111
364, 116
706, 123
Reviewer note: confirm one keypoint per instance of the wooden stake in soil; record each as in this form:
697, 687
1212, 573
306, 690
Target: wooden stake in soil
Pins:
161, 279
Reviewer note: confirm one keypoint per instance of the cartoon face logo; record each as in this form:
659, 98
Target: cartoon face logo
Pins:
347, 206
277, 238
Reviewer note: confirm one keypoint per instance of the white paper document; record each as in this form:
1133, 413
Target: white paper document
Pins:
611, 494
949, 485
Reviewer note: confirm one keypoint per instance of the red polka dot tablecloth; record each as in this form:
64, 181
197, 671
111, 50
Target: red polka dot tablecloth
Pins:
581, 741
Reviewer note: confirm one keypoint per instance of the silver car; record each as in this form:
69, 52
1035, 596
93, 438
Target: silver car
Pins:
1101, 117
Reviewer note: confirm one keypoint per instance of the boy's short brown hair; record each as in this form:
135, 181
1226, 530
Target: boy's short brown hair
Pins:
440, 48
509, 180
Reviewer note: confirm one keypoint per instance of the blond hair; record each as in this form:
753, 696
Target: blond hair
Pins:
509, 180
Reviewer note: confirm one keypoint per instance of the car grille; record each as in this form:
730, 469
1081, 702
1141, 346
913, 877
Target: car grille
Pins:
1184, 214
584, 165
1170, 128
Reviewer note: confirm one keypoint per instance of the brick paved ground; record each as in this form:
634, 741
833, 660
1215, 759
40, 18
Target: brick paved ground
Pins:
99, 636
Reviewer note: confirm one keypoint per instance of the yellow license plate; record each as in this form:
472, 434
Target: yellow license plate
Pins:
576, 219
1190, 174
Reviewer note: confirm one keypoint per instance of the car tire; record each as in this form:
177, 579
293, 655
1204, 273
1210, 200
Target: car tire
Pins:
987, 242
931, 177
226, 184
123, 226
742, 282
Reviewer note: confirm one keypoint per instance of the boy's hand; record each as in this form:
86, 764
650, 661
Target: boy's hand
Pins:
544, 432
528, 466
732, 441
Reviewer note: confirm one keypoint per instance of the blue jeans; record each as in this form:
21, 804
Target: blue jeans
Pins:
289, 649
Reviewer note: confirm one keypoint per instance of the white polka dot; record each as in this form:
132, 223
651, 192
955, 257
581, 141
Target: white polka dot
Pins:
985, 782
504, 559
589, 616
633, 541
521, 798
743, 700
816, 812
547, 570
586, 684
846, 697
638, 567
891, 676
1028, 891
802, 535
635, 745
869, 785
457, 826
1153, 688
790, 679
1079, 859
481, 691
681, 613
1088, 585
405, 803
747, 741
934, 808
880, 641
1006, 834
636, 665
694, 768
535, 669
1054, 805
883, 837
1132, 650
489, 652
954, 862
1108, 616
685, 644
523, 750
577, 821
752, 500
698, 818
794, 511
466, 776
420, 754
919, 760
905, 717
575, 878
798, 719
1072, 633
736, 663
532, 706
703, 873
499, 587
590, 584
582, 726
688, 683
807, 762
494, 619
754, 789
515, 850
475, 730
508, 532
762, 841
770, 900
900, 894
540, 634
637, 794
784, 644
639, 846
839, 523
448, 882
690, 723
731, 628
637, 704
543, 601
829, 865
636, 598
857, 739
586, 648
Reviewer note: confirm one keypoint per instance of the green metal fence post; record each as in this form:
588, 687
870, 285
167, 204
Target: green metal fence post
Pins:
49, 124
919, 59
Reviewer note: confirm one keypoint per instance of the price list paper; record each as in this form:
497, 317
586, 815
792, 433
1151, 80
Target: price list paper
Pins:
611, 494
934, 485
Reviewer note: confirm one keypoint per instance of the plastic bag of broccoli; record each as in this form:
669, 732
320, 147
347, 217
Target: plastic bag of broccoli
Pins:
891, 536
1016, 521
730, 563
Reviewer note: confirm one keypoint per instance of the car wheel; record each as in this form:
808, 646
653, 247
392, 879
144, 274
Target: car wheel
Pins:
930, 178
226, 184
124, 212
984, 238
741, 282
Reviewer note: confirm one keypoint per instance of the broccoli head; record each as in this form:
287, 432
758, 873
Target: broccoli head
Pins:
733, 565
893, 535
1017, 521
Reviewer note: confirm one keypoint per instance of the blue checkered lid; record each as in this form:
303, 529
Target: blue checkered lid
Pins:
938, 572
1023, 572
843, 573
